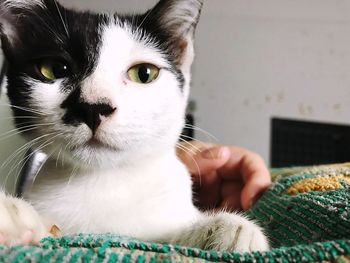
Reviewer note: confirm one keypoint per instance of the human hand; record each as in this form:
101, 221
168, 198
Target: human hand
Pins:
226, 177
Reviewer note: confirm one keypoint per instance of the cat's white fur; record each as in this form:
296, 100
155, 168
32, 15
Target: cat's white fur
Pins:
134, 185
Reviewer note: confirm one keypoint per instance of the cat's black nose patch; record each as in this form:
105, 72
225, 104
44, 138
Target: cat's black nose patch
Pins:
82, 112
90, 114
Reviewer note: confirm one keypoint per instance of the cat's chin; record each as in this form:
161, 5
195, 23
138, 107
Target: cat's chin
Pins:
93, 157
93, 154
95, 144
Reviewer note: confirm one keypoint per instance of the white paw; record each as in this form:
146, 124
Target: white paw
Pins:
19, 222
235, 233
224, 232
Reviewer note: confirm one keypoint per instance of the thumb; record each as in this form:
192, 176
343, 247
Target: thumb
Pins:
209, 160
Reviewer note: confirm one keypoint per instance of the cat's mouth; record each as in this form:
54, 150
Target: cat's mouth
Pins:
97, 144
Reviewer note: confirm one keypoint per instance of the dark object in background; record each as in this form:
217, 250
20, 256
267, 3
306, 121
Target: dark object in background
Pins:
187, 132
297, 143
2, 74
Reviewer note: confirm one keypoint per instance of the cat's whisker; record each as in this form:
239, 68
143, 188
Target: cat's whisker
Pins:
19, 117
145, 18
17, 133
52, 140
191, 145
196, 128
38, 170
16, 153
185, 149
23, 108
63, 22
26, 158
187, 138
65, 149
23, 148
14, 130
179, 146
23, 162
20, 130
26, 123
72, 175
200, 142
10, 171
196, 149
44, 22
58, 155
36, 148
31, 124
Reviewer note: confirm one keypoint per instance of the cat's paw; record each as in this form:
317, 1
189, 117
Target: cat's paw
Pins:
235, 233
19, 222
223, 232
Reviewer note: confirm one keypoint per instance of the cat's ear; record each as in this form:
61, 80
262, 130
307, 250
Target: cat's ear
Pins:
178, 18
11, 13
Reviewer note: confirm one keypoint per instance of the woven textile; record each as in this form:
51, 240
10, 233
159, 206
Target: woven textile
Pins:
305, 213
311, 205
108, 248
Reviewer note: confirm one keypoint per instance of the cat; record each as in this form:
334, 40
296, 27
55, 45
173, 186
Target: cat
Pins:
104, 96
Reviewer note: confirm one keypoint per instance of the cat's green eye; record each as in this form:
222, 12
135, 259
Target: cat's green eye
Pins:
52, 70
143, 73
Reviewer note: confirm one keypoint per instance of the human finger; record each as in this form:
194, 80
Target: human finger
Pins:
256, 177
208, 160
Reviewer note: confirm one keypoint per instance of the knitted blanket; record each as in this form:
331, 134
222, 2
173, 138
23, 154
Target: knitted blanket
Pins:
306, 214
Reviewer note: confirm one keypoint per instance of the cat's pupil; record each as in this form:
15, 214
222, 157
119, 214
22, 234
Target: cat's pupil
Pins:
144, 73
59, 70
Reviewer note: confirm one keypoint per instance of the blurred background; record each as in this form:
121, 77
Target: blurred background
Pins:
269, 75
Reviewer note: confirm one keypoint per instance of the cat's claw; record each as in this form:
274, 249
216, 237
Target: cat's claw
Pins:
19, 222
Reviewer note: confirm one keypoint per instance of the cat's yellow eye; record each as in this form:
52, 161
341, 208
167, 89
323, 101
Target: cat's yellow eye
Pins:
52, 70
143, 73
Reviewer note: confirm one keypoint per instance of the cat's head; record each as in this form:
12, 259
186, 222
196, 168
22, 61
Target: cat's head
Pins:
95, 87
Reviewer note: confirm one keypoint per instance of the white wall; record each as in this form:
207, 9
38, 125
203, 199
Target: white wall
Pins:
257, 59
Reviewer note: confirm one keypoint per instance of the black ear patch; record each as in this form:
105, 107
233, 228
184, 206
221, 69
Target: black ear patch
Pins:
174, 23
16, 16
178, 17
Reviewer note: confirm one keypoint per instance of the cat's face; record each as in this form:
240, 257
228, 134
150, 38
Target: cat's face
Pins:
94, 87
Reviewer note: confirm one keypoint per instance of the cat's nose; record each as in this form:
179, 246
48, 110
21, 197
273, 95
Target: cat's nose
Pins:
91, 114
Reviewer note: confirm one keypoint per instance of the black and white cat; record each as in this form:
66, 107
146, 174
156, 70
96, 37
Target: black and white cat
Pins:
104, 97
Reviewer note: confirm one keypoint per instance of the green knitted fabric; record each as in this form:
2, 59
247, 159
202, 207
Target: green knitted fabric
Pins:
108, 248
310, 216
305, 213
